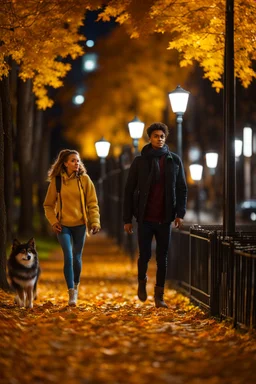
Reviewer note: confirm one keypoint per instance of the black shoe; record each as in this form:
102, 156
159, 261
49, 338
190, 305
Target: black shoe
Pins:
159, 297
142, 292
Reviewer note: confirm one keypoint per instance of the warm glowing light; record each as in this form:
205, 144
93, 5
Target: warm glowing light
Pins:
179, 99
136, 128
211, 159
102, 147
247, 142
196, 171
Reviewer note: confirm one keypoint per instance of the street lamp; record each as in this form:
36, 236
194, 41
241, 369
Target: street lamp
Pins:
238, 148
247, 152
196, 171
247, 141
179, 101
212, 161
136, 128
239, 160
102, 148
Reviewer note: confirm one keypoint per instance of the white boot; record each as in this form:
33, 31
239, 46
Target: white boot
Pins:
72, 297
76, 288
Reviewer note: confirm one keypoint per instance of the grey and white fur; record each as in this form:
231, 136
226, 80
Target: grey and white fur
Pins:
24, 271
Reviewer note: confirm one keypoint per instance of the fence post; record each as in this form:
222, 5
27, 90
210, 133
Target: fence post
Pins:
214, 275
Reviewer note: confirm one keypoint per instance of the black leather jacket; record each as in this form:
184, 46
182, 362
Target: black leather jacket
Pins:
138, 186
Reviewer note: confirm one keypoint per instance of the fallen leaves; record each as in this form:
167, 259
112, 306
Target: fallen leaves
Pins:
110, 337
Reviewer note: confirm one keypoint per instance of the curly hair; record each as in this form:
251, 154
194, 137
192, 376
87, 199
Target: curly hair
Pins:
59, 166
158, 127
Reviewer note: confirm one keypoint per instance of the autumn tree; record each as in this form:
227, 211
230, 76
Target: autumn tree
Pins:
135, 82
197, 31
36, 36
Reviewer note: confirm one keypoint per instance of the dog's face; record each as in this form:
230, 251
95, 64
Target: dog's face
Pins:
24, 253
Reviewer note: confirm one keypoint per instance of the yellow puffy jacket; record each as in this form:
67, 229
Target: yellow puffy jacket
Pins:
76, 203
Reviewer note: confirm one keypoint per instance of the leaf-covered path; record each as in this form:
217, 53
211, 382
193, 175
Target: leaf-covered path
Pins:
110, 337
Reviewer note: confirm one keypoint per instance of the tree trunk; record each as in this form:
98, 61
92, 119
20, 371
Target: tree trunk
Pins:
3, 279
25, 104
42, 143
8, 155
42, 172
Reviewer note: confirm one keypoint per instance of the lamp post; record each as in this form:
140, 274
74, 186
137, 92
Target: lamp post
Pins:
229, 182
136, 128
196, 171
179, 100
239, 161
212, 161
247, 152
102, 148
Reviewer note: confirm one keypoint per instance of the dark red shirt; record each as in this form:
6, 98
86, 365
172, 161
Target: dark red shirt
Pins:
155, 204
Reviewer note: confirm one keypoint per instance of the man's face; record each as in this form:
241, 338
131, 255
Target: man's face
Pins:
157, 139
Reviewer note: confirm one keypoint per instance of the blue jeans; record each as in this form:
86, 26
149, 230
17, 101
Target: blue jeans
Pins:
162, 233
72, 241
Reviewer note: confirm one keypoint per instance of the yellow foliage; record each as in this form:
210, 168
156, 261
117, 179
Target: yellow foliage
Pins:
197, 31
38, 35
134, 83
110, 336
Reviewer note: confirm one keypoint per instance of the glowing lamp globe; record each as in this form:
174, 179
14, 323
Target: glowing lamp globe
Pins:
102, 147
136, 128
179, 99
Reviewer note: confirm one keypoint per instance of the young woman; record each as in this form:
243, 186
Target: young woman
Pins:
71, 207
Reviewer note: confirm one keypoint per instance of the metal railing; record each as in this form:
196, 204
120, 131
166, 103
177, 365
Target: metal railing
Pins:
216, 271
237, 289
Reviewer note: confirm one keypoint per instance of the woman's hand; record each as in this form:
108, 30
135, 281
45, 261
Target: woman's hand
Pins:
57, 228
94, 230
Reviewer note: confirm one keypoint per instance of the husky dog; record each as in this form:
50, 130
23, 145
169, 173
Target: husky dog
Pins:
24, 270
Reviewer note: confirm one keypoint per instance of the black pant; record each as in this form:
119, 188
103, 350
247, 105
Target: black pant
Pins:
162, 233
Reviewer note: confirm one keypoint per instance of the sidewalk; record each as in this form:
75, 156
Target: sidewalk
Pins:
110, 337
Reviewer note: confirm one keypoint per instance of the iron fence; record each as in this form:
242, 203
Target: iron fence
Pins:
237, 293
217, 271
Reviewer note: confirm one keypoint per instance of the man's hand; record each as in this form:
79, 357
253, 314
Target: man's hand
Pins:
178, 222
128, 228
57, 228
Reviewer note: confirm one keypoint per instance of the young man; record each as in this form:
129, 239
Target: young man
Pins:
156, 195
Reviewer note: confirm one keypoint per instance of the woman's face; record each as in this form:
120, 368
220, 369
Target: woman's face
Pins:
72, 164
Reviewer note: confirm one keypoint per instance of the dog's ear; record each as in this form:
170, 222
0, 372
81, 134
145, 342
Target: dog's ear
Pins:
32, 243
15, 243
